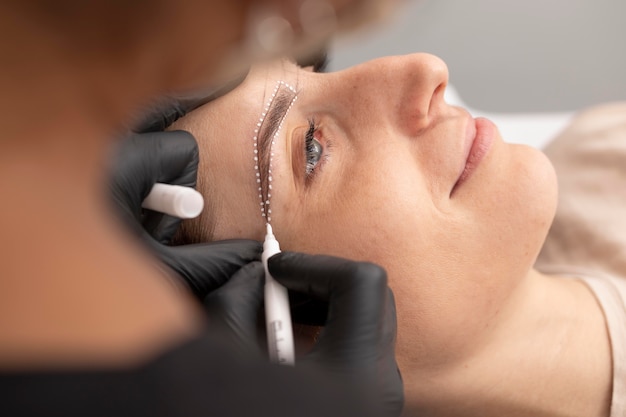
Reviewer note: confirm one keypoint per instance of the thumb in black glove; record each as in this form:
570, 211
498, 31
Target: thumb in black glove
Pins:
356, 346
235, 309
358, 340
142, 160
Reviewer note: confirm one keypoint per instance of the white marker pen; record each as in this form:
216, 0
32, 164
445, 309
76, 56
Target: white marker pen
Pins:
175, 200
277, 313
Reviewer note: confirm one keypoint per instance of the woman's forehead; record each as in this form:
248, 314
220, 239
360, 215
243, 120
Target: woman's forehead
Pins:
238, 111
230, 120
265, 75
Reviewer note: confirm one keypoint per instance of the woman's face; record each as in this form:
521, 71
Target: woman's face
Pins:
371, 164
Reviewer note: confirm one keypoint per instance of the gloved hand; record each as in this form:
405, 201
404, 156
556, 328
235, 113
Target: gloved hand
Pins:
351, 298
171, 157
356, 344
358, 339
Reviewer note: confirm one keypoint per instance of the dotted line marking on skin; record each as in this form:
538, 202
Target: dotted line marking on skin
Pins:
266, 211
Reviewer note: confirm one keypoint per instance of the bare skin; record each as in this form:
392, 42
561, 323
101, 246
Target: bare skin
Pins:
481, 333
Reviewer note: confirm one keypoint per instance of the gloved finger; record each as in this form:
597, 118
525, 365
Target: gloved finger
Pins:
322, 276
391, 379
177, 155
359, 337
140, 161
235, 307
207, 266
159, 226
307, 310
357, 297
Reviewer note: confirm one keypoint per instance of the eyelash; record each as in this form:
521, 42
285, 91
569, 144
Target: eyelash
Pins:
310, 146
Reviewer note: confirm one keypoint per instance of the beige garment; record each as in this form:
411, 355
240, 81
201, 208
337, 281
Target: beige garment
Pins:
588, 236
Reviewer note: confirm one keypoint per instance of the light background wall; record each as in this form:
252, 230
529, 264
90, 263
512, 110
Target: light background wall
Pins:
509, 55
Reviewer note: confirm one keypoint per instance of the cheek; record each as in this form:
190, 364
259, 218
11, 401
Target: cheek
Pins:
493, 241
386, 214
520, 203
500, 224
451, 266
370, 208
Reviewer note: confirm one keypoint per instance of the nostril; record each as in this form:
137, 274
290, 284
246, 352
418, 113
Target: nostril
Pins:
437, 97
440, 90
413, 120
421, 80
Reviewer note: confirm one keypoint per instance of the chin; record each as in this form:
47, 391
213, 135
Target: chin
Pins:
538, 189
550, 200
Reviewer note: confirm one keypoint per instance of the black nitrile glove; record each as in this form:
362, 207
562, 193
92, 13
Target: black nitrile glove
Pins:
171, 157
357, 341
356, 346
351, 299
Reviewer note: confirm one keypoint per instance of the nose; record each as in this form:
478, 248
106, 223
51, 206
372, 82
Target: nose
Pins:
408, 90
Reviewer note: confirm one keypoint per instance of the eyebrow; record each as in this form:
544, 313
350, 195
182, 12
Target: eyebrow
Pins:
272, 122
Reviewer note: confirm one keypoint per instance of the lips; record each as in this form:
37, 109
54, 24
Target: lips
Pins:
478, 141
